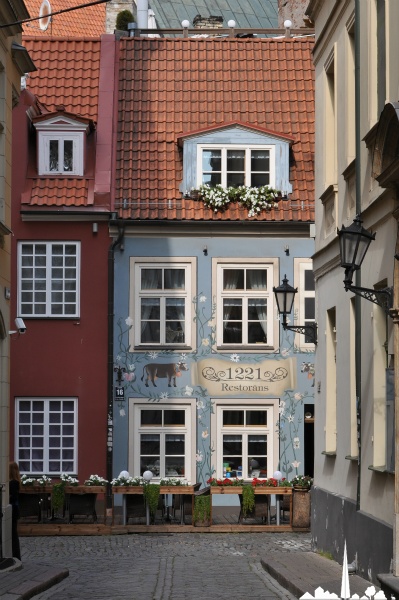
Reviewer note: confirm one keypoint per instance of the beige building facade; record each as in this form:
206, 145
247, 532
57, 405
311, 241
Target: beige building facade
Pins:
356, 140
14, 63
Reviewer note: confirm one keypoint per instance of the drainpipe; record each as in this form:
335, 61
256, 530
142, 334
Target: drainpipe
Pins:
110, 411
358, 324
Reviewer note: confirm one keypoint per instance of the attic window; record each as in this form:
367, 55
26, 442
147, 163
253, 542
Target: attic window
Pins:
60, 154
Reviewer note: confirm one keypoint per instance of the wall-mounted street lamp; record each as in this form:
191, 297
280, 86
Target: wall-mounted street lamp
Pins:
353, 245
285, 295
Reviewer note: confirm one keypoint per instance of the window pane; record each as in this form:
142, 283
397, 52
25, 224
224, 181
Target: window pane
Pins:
309, 280
151, 417
53, 158
256, 279
309, 308
235, 179
257, 333
212, 179
259, 179
174, 279
150, 443
259, 160
211, 160
233, 417
233, 279
150, 308
256, 417
68, 155
151, 279
174, 417
174, 444
232, 309
150, 333
150, 324
174, 466
232, 445
236, 160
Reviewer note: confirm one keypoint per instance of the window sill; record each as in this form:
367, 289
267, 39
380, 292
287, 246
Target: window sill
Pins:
333, 454
152, 348
382, 469
250, 348
353, 458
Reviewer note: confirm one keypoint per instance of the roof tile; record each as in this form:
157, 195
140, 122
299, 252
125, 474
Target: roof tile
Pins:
84, 22
169, 87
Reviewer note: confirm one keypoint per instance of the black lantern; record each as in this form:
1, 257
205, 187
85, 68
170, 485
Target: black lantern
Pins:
354, 242
285, 295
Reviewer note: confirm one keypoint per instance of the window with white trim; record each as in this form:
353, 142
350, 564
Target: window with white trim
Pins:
244, 440
46, 435
163, 293
236, 165
49, 279
162, 437
245, 304
60, 153
307, 298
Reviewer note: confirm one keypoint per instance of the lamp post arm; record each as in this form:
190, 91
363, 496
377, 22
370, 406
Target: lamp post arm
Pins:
383, 297
309, 330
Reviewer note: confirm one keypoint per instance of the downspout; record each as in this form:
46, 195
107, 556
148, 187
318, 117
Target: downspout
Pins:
358, 324
110, 411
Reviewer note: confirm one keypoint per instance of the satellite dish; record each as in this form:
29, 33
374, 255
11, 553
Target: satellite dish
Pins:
44, 14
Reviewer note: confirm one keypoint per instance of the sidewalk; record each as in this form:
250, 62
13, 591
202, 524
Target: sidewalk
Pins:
302, 572
22, 581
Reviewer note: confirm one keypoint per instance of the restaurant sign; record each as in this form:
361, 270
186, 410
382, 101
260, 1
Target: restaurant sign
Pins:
270, 377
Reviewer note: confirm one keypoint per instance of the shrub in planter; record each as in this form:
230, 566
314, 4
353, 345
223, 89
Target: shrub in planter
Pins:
248, 500
202, 510
151, 497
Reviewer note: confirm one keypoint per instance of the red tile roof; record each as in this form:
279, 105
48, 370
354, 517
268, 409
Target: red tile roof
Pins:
169, 88
67, 73
66, 82
84, 22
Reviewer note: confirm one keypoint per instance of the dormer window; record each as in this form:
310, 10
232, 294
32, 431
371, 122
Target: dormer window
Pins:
233, 166
61, 144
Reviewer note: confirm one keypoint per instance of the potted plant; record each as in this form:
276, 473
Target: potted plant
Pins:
248, 500
202, 510
301, 501
151, 498
58, 492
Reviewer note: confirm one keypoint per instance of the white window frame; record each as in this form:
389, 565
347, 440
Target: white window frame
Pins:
44, 152
47, 435
300, 266
48, 281
188, 264
217, 431
247, 148
271, 265
189, 430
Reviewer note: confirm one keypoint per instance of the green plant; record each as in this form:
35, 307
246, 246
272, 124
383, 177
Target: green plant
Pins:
325, 554
302, 481
58, 496
68, 479
202, 509
151, 497
127, 481
123, 18
255, 199
248, 499
95, 480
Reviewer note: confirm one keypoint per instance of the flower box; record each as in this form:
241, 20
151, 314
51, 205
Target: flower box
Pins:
85, 489
127, 489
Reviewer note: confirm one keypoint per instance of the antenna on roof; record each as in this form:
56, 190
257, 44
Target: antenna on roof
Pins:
45, 15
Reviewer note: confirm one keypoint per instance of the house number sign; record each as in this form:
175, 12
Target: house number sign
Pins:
270, 377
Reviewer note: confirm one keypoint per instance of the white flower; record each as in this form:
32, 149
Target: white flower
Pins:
118, 358
129, 321
298, 396
164, 396
281, 407
199, 457
132, 367
200, 404
205, 434
188, 390
284, 352
122, 412
290, 418
153, 355
202, 299
296, 443
183, 356
235, 358
205, 342
295, 464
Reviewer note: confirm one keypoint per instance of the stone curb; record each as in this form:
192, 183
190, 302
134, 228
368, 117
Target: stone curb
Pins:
29, 580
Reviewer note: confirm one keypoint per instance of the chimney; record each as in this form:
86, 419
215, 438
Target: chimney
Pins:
142, 14
211, 22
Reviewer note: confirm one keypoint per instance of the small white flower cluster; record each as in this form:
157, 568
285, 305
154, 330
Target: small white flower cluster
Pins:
255, 199
122, 480
43, 480
68, 479
95, 480
25, 480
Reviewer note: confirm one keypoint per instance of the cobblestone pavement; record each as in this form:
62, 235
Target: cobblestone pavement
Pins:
163, 566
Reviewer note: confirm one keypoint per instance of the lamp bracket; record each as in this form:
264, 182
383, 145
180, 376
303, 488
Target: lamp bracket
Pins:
309, 330
383, 297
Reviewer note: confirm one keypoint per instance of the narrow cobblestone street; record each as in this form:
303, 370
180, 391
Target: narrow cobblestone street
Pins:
163, 566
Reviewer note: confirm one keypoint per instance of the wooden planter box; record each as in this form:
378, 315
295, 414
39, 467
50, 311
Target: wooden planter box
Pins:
80, 500
33, 500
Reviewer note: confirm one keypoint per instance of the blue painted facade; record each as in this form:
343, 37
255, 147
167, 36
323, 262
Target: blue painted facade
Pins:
291, 398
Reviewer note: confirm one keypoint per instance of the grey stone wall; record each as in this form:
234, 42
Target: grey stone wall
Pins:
113, 8
294, 10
